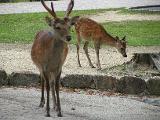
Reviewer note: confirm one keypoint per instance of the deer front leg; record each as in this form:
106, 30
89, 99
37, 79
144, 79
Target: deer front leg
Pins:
85, 48
42, 102
97, 47
53, 94
59, 114
78, 39
47, 89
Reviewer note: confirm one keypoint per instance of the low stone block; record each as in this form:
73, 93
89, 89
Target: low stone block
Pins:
131, 85
105, 82
3, 78
24, 79
153, 85
77, 81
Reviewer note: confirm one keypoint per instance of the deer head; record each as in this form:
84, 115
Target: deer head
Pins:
60, 26
121, 45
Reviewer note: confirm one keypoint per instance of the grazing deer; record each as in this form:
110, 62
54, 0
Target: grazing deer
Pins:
49, 52
89, 30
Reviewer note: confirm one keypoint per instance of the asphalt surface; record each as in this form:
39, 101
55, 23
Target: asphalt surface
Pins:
31, 7
22, 104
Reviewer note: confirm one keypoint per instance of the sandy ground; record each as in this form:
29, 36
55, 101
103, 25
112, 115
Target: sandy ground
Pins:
22, 104
115, 16
16, 57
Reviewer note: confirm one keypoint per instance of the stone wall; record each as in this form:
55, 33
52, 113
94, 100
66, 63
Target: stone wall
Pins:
126, 84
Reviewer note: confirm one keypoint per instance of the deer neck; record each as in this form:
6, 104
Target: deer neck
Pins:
58, 38
109, 40
56, 35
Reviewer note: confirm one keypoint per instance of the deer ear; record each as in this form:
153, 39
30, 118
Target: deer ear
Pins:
124, 38
117, 38
48, 20
73, 20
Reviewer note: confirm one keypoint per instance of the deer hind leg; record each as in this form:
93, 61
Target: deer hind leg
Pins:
85, 48
97, 47
78, 44
42, 102
59, 114
47, 89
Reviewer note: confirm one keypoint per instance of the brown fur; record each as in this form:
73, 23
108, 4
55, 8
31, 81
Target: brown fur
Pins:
49, 54
49, 51
89, 30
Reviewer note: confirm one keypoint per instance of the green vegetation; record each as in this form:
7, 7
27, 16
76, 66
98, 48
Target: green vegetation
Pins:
137, 32
21, 28
12, 1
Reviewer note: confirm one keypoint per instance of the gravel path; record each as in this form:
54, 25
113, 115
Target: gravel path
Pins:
16, 57
114, 16
30, 7
22, 104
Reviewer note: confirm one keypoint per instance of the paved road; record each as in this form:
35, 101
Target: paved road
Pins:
22, 104
30, 7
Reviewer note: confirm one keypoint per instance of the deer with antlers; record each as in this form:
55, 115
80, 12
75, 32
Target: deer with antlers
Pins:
89, 30
49, 52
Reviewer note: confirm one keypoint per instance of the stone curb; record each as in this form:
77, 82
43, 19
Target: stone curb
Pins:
153, 85
23, 79
3, 78
131, 85
126, 84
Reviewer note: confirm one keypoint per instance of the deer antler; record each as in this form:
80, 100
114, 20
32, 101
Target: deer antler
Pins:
55, 16
69, 9
52, 12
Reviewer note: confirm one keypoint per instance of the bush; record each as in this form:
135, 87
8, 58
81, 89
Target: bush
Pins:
5, 1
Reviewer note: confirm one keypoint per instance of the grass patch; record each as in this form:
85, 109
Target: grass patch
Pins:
138, 32
13, 1
21, 28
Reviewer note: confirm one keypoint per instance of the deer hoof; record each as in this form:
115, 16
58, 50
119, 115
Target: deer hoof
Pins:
99, 68
93, 67
47, 115
41, 104
79, 65
59, 114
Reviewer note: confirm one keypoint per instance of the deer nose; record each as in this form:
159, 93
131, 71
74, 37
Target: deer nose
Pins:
125, 55
68, 38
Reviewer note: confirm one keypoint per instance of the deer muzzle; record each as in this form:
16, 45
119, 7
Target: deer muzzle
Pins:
124, 55
68, 38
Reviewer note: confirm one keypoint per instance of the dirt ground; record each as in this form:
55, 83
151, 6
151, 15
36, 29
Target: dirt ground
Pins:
22, 104
115, 16
16, 57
